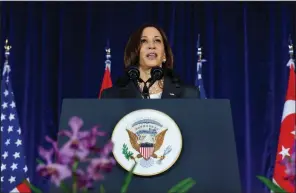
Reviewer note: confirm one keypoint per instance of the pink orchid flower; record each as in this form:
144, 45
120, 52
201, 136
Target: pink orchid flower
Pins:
107, 149
90, 141
80, 143
59, 156
84, 180
290, 163
56, 172
101, 164
75, 148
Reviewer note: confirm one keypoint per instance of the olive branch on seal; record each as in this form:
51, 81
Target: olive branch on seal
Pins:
127, 154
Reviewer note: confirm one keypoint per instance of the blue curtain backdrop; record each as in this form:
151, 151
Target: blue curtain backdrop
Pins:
58, 52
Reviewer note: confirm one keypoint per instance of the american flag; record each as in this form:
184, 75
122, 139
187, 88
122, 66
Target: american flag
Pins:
198, 79
13, 165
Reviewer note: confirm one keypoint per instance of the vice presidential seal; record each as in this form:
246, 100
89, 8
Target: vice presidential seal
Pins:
150, 138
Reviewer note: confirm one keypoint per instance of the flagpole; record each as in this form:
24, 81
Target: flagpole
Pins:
6, 67
291, 62
291, 50
108, 56
199, 53
198, 80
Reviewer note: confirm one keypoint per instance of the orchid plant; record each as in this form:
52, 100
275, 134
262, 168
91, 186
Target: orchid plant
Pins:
80, 149
289, 163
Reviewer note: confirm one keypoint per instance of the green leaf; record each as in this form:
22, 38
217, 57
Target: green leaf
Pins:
127, 154
39, 161
128, 179
272, 186
124, 148
84, 190
65, 188
75, 165
184, 184
34, 189
187, 187
102, 189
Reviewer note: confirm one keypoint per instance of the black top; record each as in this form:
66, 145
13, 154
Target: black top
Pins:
173, 88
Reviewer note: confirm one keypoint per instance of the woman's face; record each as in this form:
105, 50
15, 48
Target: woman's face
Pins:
152, 51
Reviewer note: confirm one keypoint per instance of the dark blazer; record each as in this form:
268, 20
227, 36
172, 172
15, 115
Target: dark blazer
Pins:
173, 88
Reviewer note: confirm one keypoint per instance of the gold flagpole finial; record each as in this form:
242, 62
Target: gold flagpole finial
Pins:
7, 47
108, 52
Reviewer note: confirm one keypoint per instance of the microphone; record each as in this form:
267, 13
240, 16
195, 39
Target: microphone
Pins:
133, 73
156, 74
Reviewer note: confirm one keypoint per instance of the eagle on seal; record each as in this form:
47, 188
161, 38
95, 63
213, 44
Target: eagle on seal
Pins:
157, 142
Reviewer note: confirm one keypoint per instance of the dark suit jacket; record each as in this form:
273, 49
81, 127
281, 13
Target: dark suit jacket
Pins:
173, 88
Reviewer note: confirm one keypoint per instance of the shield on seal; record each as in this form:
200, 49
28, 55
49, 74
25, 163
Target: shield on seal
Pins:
146, 150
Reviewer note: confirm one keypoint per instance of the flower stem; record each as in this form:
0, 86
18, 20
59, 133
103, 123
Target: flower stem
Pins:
74, 185
34, 189
84, 190
74, 168
65, 188
102, 189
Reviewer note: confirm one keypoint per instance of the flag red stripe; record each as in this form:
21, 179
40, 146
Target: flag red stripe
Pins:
146, 151
23, 188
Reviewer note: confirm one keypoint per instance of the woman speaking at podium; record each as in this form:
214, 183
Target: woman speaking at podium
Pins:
148, 60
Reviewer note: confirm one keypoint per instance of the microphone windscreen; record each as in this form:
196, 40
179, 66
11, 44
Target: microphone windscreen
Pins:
157, 73
133, 72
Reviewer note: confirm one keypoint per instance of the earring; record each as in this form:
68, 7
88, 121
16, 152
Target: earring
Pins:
164, 60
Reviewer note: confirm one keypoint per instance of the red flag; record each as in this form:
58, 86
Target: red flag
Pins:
107, 81
24, 187
286, 143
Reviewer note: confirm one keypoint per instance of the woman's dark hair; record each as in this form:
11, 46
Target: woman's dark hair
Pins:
132, 49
